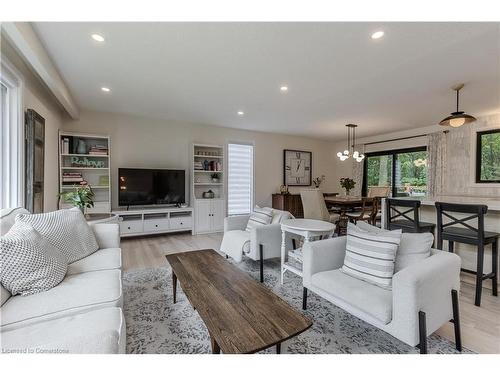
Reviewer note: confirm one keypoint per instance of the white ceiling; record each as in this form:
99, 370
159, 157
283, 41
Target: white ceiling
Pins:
206, 72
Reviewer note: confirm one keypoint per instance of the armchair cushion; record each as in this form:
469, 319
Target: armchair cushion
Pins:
259, 217
413, 247
369, 298
370, 256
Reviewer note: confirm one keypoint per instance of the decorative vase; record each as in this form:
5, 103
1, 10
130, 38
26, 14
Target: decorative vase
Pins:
347, 192
81, 147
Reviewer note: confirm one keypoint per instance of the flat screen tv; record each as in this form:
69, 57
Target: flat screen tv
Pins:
142, 187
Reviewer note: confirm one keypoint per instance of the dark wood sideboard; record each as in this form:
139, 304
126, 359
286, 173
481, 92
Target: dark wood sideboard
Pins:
289, 202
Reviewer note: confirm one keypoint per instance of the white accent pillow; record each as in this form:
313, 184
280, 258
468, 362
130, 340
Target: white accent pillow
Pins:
28, 262
371, 256
259, 217
413, 248
66, 230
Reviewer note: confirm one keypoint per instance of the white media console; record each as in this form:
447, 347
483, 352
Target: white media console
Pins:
139, 222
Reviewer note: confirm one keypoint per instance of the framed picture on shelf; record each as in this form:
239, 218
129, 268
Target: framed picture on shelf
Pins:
297, 168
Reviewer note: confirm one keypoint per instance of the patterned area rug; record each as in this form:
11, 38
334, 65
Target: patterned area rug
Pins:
156, 325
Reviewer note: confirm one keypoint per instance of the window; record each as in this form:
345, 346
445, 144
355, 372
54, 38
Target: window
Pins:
488, 156
240, 179
11, 138
404, 171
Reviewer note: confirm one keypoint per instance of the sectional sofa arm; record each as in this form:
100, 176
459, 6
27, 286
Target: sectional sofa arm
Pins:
426, 286
236, 222
107, 235
321, 256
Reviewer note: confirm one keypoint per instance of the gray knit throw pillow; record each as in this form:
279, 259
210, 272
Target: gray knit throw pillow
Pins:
66, 230
28, 262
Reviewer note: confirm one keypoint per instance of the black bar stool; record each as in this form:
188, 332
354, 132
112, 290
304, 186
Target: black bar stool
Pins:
409, 224
469, 235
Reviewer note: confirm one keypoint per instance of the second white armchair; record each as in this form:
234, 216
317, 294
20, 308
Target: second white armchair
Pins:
424, 293
262, 242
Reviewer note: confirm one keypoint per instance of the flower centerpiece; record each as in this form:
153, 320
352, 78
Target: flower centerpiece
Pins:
318, 181
347, 184
82, 196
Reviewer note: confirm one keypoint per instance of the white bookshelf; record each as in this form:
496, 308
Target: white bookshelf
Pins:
95, 169
209, 212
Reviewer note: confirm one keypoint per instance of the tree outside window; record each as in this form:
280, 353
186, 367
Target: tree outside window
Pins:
488, 156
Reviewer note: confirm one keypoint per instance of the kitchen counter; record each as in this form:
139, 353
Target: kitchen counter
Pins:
493, 203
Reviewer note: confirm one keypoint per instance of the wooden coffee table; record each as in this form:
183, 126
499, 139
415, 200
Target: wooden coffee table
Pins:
241, 315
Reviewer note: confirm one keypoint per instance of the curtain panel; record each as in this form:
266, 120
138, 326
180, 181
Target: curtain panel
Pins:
436, 154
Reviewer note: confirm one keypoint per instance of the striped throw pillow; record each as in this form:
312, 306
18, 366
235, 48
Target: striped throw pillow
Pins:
259, 216
371, 256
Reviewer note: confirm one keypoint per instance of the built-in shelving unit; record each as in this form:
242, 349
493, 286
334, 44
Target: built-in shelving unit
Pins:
208, 193
85, 157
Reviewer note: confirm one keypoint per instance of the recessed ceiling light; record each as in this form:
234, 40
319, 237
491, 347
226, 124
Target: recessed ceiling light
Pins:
105, 89
284, 88
97, 37
378, 34
241, 113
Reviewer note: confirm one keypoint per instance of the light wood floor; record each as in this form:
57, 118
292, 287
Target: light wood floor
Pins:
480, 325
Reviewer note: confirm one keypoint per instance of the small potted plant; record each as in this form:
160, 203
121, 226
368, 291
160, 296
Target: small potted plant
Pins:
347, 184
82, 197
318, 181
215, 177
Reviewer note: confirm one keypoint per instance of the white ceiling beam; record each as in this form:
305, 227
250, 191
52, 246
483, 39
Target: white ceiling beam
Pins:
24, 39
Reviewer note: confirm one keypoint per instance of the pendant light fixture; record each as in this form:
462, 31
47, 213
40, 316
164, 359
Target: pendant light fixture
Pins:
351, 141
457, 118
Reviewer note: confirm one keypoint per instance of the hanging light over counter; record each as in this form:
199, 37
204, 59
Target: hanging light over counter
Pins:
457, 118
351, 141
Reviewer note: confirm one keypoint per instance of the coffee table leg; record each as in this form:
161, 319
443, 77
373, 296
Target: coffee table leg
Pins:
278, 348
174, 286
215, 346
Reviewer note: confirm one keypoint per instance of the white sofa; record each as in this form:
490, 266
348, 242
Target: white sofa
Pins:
82, 314
262, 242
424, 295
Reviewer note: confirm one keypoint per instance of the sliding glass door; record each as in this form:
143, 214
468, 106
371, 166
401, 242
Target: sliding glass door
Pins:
404, 171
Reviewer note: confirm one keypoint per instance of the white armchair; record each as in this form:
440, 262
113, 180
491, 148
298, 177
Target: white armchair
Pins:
424, 295
262, 242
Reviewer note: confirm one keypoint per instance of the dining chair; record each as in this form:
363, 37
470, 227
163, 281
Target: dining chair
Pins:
379, 191
458, 230
367, 212
404, 214
314, 206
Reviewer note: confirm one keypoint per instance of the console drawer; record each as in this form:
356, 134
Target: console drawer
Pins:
181, 222
131, 226
153, 225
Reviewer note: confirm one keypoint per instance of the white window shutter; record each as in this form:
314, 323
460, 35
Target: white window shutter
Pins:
240, 179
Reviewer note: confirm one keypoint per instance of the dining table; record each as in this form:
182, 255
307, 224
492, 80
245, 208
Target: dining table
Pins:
343, 204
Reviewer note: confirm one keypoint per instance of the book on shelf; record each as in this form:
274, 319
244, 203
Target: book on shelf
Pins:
65, 145
104, 180
72, 177
98, 150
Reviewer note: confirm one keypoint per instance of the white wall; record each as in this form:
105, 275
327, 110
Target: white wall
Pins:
38, 98
146, 142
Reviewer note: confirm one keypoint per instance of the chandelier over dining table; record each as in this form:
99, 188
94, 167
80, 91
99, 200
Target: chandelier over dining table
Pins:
351, 142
